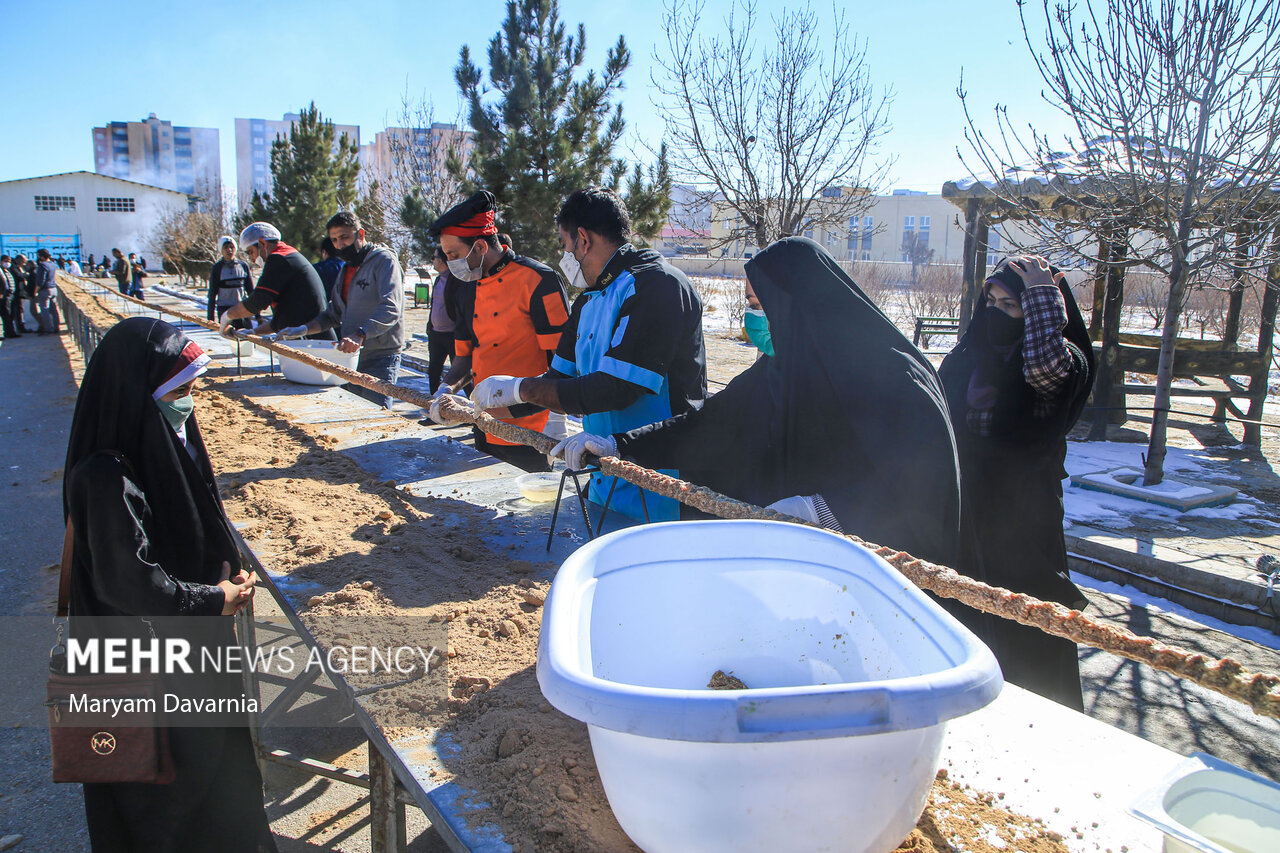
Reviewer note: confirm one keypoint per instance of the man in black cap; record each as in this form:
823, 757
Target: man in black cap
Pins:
511, 311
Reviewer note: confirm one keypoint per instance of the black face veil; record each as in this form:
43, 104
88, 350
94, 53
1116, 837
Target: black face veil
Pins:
115, 412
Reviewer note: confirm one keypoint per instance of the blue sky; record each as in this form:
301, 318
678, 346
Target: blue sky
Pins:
78, 64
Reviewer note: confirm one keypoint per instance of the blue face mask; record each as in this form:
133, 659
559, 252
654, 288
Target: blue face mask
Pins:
177, 411
757, 328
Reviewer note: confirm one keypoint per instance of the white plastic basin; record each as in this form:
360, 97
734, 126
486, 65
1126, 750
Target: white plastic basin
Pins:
1209, 806
244, 349
296, 371
851, 673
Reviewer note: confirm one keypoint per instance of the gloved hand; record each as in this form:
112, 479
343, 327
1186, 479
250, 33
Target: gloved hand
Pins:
292, 332
225, 327
433, 411
497, 392
574, 449
800, 506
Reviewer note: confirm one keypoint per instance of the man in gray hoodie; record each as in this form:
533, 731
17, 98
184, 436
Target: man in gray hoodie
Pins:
366, 304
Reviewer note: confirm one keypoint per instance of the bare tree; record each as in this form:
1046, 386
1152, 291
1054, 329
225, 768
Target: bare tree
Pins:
1148, 294
1177, 139
187, 240
776, 134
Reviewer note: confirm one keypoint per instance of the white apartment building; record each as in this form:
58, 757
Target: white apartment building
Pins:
75, 214
254, 137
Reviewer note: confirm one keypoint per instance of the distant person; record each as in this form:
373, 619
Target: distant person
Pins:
46, 289
137, 272
90, 265
7, 289
229, 283
288, 285
330, 266
122, 271
18, 269
61, 262
73, 267
1015, 385
142, 262
366, 304
443, 319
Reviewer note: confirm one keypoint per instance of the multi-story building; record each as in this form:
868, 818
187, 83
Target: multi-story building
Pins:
254, 137
157, 153
399, 156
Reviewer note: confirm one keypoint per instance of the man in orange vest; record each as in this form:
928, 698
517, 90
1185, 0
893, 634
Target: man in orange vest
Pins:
511, 310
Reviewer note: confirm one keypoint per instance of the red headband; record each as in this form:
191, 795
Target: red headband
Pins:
477, 226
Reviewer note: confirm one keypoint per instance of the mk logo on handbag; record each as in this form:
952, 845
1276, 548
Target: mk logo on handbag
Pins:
103, 743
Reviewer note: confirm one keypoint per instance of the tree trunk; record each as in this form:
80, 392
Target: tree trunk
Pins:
1110, 369
972, 212
1231, 331
1154, 471
1266, 332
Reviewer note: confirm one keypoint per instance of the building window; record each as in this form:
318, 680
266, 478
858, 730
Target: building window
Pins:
55, 202
993, 242
924, 223
115, 205
908, 223
831, 192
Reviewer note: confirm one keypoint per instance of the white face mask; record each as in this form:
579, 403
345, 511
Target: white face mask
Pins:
573, 271
462, 271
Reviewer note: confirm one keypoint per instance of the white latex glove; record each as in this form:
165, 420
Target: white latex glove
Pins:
496, 392
574, 449
800, 506
293, 332
225, 328
433, 411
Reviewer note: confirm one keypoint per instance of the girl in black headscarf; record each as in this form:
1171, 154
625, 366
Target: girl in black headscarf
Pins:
151, 539
845, 424
1016, 383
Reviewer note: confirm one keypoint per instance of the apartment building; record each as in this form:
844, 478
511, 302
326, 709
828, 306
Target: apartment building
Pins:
160, 154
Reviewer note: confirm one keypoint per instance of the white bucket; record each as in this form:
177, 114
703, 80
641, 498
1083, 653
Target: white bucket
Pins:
851, 674
244, 349
296, 371
1209, 806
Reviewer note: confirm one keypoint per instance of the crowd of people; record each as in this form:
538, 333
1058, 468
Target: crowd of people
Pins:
840, 422
29, 289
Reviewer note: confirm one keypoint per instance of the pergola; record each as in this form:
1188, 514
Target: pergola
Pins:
1213, 364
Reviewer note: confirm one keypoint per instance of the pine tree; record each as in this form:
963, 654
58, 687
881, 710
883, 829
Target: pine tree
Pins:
312, 179
548, 134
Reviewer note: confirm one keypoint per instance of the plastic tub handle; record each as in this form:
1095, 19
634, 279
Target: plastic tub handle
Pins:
867, 711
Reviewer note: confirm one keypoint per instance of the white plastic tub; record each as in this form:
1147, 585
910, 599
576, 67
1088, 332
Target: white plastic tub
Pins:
1209, 806
296, 371
244, 349
851, 672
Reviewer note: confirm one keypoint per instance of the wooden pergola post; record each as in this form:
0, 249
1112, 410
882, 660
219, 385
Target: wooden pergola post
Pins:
1109, 399
1099, 290
1235, 304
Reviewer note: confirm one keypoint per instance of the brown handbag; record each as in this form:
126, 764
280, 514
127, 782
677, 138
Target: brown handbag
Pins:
129, 743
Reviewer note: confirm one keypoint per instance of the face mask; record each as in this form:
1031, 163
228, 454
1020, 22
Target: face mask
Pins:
757, 326
350, 253
1003, 330
573, 271
461, 269
177, 411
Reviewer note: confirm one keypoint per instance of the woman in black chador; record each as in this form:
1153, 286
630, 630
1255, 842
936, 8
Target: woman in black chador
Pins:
151, 539
1016, 383
844, 423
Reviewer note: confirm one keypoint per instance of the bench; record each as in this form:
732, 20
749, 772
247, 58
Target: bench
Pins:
926, 326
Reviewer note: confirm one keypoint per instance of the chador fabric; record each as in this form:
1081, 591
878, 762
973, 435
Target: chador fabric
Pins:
150, 540
846, 408
1012, 443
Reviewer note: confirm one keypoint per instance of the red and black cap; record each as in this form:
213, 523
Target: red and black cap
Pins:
468, 219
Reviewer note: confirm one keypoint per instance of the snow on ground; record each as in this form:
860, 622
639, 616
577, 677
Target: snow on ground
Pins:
1085, 506
1260, 636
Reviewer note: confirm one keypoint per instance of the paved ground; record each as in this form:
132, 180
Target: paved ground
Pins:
36, 400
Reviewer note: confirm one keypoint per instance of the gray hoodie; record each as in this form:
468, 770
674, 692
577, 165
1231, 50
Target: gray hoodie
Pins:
374, 304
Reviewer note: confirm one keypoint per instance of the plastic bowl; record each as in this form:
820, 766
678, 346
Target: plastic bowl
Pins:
851, 674
540, 487
244, 349
305, 374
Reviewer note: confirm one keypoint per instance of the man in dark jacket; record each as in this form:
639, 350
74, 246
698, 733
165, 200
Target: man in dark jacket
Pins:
289, 285
46, 288
632, 352
7, 298
122, 271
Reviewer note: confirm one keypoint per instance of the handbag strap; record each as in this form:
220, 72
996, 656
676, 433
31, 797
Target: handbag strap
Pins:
64, 580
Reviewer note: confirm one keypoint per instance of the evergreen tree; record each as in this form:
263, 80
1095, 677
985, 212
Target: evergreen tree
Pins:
547, 133
417, 214
312, 179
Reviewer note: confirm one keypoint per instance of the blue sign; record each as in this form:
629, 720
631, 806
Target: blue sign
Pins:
66, 245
